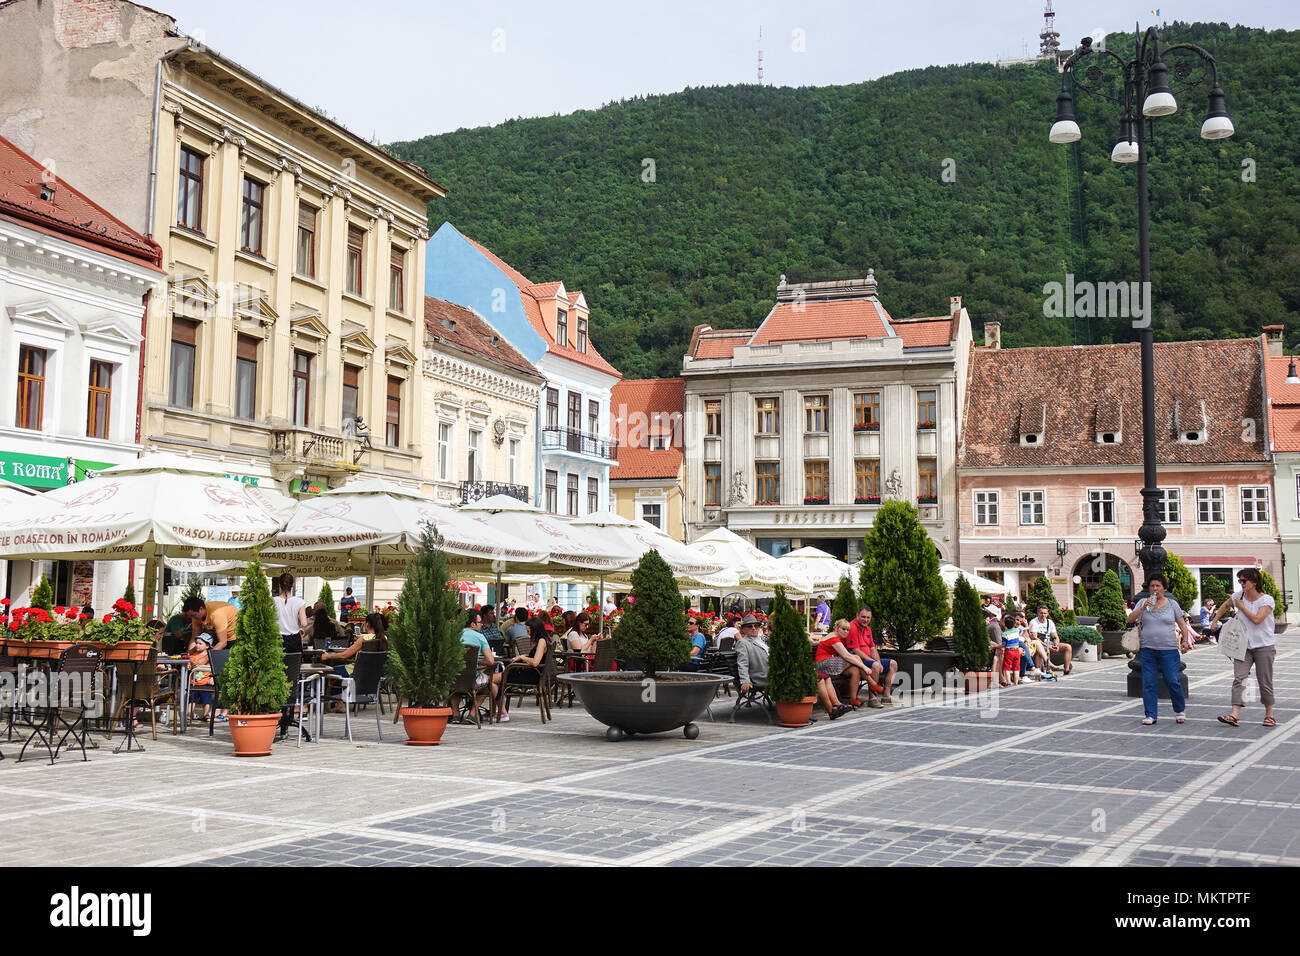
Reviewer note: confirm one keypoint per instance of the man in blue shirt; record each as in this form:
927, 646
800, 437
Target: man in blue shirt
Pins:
472, 636
699, 643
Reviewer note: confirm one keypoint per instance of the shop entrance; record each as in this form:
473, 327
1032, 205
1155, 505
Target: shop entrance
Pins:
1090, 569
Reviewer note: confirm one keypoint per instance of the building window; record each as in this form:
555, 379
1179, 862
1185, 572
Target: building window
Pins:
575, 411
816, 414
1297, 496
393, 414
866, 481
927, 480
180, 392
250, 223
474, 454
582, 334
986, 507
552, 492
927, 401
653, 514
561, 327
1254, 504
1170, 506
866, 411
816, 482
101, 399
1209, 506
713, 417
246, 378
552, 408
189, 199
31, 387
396, 287
593, 495
351, 392
306, 262
355, 256
769, 415
1101, 506
713, 484
1031, 507
767, 482
301, 387
512, 461
444, 451
572, 494
593, 417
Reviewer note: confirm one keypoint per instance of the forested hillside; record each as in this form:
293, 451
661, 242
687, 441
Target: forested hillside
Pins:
753, 181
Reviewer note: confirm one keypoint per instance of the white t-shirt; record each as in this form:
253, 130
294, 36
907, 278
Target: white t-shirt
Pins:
731, 632
286, 610
1042, 630
1261, 634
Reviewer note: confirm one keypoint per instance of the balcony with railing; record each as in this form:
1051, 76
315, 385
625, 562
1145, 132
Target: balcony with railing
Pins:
579, 443
305, 446
476, 490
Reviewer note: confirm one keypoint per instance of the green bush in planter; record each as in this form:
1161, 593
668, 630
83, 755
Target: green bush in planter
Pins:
1069, 618
653, 628
969, 632
425, 655
1076, 635
1040, 592
1213, 588
791, 675
1270, 588
253, 681
43, 596
326, 597
1180, 583
845, 605
1081, 606
900, 576
1111, 612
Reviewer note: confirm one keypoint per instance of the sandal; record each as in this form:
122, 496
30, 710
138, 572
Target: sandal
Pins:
1148, 721
1180, 718
1229, 720
1270, 722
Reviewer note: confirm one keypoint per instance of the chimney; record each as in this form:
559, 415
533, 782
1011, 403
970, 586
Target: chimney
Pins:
992, 335
954, 306
1273, 336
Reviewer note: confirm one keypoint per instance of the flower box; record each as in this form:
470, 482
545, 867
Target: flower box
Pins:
926, 426
868, 500
867, 427
817, 501
927, 499
128, 651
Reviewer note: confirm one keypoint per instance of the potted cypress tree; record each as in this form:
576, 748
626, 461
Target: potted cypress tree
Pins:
1181, 583
1279, 609
791, 675
845, 606
652, 631
1081, 606
43, 596
1111, 615
970, 634
1040, 592
253, 685
326, 597
425, 655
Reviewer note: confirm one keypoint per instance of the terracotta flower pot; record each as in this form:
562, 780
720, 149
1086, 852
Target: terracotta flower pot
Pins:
252, 733
796, 713
15, 647
128, 651
424, 725
47, 649
977, 681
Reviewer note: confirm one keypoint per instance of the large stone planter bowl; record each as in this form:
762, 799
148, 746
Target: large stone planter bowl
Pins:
1111, 644
626, 704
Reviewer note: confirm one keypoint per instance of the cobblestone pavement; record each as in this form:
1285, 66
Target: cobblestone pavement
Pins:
1048, 773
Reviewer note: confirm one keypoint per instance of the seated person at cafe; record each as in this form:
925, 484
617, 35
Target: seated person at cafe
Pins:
730, 630
699, 642
520, 627
216, 618
525, 668
577, 637
490, 630
471, 636
374, 637
862, 642
832, 658
201, 685
751, 657
324, 629
176, 636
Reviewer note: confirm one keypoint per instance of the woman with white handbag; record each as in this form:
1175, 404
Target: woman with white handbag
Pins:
1256, 611
1162, 639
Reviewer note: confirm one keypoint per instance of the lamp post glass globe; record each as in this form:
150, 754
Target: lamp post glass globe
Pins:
1125, 151
1065, 131
1217, 127
1160, 103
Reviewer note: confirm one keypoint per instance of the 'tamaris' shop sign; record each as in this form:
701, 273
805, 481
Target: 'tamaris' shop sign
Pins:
41, 471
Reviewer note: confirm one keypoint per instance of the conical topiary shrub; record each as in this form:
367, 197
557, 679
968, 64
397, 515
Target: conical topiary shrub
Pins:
969, 632
791, 675
1180, 583
43, 596
326, 597
1270, 588
1110, 603
425, 655
1213, 588
253, 681
845, 607
653, 628
1040, 592
129, 594
1082, 607
900, 576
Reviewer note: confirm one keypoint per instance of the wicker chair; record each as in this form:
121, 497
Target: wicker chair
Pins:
468, 693
542, 689
149, 691
604, 660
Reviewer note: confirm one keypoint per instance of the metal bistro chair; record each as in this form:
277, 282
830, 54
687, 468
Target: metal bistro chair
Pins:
79, 662
604, 660
361, 688
299, 687
467, 691
756, 695
217, 660
542, 689
150, 690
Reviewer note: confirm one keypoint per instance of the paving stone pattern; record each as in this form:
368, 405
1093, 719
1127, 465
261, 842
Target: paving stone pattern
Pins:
1045, 774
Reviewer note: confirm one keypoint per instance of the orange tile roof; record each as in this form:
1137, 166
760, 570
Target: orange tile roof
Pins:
529, 293
471, 332
68, 214
1278, 391
1284, 427
925, 333
661, 401
816, 321
721, 346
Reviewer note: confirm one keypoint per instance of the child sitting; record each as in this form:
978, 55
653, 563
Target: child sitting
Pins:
201, 683
1013, 645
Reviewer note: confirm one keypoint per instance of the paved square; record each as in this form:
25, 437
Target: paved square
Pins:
1042, 775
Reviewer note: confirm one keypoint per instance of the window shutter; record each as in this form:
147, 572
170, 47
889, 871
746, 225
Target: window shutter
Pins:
398, 257
185, 331
356, 238
351, 376
394, 387
306, 217
246, 348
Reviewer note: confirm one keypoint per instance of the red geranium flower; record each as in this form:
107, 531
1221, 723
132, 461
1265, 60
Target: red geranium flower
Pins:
108, 618
4, 601
60, 610
83, 617
13, 625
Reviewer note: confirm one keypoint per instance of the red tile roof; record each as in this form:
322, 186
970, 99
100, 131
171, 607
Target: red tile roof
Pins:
815, 321
471, 333
529, 293
1087, 386
661, 401
1284, 408
68, 214
713, 345
925, 333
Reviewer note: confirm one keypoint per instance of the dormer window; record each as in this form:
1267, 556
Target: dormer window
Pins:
47, 192
582, 334
1110, 421
561, 327
1108, 438
1191, 421
1033, 424
450, 326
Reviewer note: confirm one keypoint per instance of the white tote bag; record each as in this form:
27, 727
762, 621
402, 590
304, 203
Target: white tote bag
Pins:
1232, 638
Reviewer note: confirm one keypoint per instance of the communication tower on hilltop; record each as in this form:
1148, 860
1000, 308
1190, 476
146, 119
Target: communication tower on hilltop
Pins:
1049, 47
760, 56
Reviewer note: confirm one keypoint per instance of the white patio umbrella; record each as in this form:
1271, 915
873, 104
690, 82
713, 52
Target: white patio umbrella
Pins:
950, 573
822, 570
753, 568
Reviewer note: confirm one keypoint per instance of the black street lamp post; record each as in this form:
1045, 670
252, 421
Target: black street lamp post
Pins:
1145, 80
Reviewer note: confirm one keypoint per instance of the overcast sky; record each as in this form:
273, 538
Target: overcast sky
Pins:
400, 69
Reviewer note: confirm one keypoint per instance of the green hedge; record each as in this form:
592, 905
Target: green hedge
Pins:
1075, 636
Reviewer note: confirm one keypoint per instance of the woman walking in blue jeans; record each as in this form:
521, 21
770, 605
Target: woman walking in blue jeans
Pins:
1162, 637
